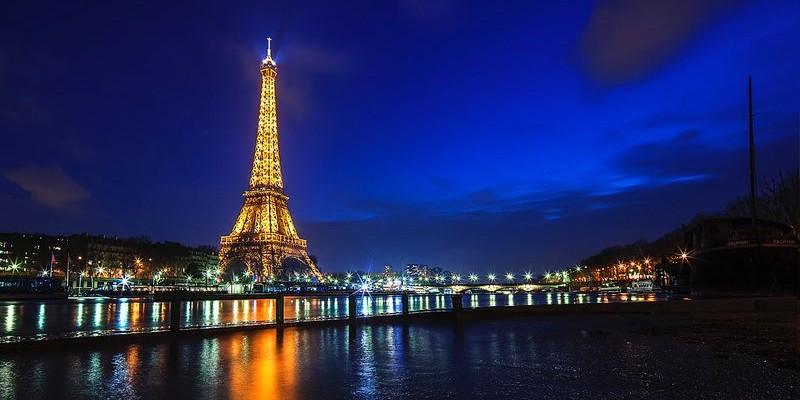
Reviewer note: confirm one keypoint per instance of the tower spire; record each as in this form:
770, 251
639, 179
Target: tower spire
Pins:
269, 61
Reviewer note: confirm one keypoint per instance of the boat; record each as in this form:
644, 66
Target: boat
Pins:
116, 291
728, 256
192, 292
30, 288
743, 256
610, 288
641, 286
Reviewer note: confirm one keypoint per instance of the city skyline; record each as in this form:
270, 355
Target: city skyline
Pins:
448, 134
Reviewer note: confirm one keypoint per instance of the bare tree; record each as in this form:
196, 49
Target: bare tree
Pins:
779, 200
781, 197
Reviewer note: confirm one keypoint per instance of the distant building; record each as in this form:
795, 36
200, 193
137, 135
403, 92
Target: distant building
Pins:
102, 257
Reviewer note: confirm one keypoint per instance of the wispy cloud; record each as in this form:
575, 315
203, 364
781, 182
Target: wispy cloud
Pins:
49, 186
625, 40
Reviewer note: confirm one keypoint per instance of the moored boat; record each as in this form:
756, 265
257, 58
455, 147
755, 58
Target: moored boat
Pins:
729, 256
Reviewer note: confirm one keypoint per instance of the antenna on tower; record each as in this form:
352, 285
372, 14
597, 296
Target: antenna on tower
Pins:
269, 61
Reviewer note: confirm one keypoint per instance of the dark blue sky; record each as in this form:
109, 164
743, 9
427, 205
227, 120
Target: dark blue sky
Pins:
467, 135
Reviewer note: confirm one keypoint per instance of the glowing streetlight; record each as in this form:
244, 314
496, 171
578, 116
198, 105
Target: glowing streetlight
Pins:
528, 276
492, 277
473, 278
456, 278
509, 277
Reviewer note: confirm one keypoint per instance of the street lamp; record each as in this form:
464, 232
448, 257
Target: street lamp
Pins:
455, 278
491, 277
473, 278
528, 276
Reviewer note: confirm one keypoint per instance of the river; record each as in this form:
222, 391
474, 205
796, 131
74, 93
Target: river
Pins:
43, 320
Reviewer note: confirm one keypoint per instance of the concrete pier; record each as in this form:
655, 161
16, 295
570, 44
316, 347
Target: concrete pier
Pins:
175, 314
351, 307
279, 309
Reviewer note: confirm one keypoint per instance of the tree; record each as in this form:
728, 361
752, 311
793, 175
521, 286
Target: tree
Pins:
781, 197
194, 270
779, 200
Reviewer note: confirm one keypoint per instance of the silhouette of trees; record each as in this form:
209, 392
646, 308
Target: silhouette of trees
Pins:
778, 199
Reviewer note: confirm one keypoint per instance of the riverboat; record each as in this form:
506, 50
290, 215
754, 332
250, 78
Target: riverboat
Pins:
610, 288
30, 288
742, 256
116, 291
189, 292
642, 286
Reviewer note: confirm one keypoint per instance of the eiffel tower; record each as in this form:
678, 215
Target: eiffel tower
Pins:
263, 236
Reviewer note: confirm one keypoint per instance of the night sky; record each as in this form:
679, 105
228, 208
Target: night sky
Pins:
466, 135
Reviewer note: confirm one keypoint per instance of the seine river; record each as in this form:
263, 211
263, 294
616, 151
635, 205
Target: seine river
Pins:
40, 320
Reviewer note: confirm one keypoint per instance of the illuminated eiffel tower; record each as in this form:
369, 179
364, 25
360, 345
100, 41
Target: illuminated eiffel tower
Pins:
263, 236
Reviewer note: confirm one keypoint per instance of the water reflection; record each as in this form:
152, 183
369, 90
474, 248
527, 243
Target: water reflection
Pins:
41, 317
515, 358
37, 320
9, 318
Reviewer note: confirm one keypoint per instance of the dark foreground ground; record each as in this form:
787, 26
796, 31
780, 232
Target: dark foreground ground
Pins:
669, 356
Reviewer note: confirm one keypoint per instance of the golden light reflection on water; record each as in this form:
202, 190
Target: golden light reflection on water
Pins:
262, 367
132, 360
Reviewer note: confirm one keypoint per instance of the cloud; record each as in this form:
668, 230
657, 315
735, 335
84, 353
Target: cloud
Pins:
49, 186
547, 233
626, 39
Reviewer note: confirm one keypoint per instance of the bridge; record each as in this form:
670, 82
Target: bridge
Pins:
484, 287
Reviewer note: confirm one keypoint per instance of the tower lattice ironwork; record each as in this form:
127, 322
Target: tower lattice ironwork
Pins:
263, 236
